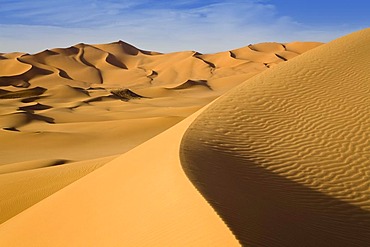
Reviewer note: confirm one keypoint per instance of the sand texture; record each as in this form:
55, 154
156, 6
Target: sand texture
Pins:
65, 112
284, 158
110, 145
91, 101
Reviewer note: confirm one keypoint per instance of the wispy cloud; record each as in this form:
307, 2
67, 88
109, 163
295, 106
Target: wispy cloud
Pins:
67, 13
206, 26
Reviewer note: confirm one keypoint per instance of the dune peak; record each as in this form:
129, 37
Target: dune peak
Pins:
283, 157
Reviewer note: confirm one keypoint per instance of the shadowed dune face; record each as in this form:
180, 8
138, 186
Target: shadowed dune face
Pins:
23, 93
263, 208
284, 157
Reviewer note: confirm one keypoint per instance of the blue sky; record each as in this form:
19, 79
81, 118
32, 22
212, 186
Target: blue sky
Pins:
165, 26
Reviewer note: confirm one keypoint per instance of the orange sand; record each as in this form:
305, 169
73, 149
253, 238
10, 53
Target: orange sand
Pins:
284, 158
91, 138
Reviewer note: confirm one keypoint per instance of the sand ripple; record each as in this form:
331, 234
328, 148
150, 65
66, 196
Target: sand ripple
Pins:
284, 158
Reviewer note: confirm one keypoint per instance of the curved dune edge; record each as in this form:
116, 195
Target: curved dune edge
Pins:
75, 105
285, 157
13, 67
52, 98
142, 198
57, 110
26, 183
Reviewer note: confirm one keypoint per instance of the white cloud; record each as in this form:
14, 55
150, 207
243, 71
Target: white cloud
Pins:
210, 28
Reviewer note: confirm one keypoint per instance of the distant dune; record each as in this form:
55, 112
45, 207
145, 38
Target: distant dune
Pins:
275, 143
64, 107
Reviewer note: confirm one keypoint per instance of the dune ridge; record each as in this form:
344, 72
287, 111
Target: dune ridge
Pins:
87, 102
127, 201
284, 157
66, 113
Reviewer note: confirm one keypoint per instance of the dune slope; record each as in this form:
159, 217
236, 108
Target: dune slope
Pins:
52, 96
36, 180
65, 107
284, 158
142, 198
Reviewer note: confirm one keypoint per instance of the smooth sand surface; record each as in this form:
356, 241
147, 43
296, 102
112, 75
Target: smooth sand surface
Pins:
142, 198
65, 112
24, 184
284, 158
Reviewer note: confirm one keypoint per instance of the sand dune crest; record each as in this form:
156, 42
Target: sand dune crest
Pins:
284, 158
65, 112
126, 201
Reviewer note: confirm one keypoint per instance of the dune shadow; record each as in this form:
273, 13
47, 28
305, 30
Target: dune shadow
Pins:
125, 94
43, 118
114, 61
23, 93
263, 208
33, 108
191, 83
64, 74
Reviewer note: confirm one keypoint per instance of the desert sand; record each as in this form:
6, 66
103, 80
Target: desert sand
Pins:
284, 158
110, 145
71, 110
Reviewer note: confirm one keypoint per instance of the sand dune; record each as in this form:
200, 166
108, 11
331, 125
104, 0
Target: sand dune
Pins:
66, 112
12, 66
134, 200
280, 160
284, 157
26, 183
49, 96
